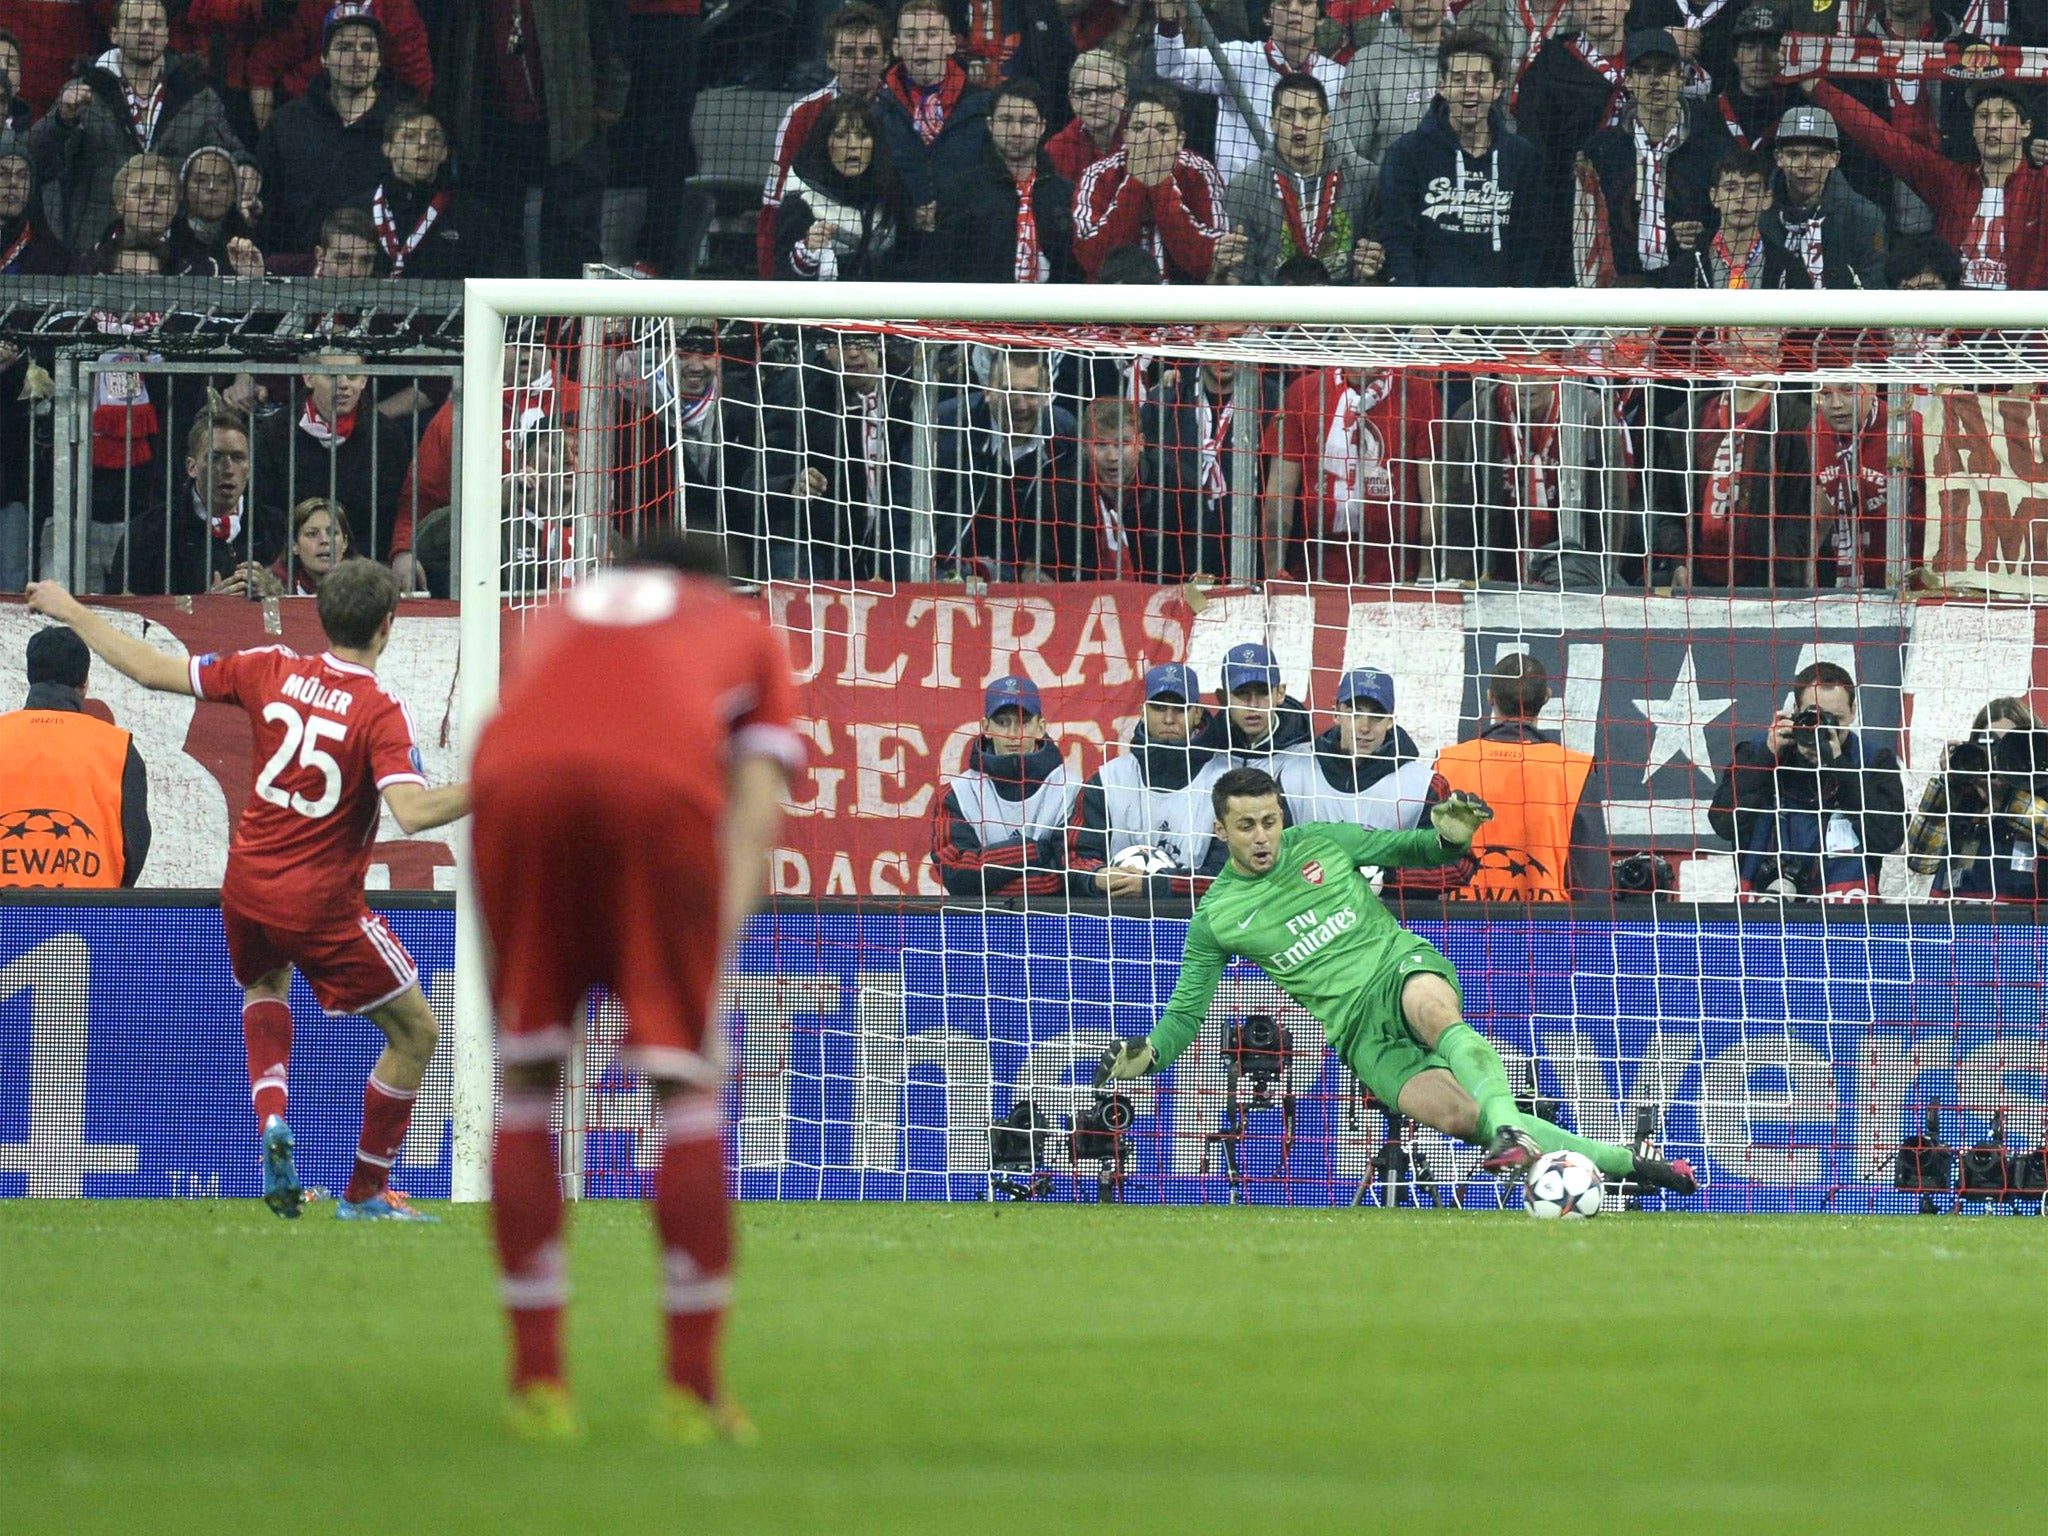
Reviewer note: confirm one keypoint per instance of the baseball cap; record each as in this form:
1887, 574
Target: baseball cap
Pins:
1651, 42
1246, 664
356, 11
1370, 684
1809, 125
1011, 693
1758, 21
1172, 679
57, 655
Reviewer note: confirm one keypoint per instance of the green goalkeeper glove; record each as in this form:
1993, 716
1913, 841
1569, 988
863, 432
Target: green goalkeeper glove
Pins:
1459, 816
1129, 1058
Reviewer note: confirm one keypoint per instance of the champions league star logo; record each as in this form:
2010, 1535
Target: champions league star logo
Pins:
58, 826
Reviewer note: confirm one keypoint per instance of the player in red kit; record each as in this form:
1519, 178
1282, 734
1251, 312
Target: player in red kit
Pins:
627, 794
332, 747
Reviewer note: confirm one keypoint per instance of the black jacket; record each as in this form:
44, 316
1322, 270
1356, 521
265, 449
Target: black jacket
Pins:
1561, 103
1173, 421
463, 241
1024, 866
1291, 728
135, 828
1612, 152
1771, 539
995, 513
184, 541
363, 474
1694, 268
859, 526
313, 163
872, 213
1852, 238
1775, 809
1448, 219
977, 240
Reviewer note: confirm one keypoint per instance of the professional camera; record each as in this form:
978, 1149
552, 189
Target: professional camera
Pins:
1101, 1125
1259, 1048
1985, 1171
1966, 778
1643, 874
1016, 1151
1924, 1166
1807, 738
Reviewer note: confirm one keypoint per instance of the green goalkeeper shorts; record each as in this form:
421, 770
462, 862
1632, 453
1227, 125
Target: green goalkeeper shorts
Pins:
1379, 1047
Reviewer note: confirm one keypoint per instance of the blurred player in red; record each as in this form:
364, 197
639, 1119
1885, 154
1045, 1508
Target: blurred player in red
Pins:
330, 744
627, 794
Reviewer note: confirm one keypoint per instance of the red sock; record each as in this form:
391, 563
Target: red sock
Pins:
527, 1204
267, 1032
386, 1114
696, 1240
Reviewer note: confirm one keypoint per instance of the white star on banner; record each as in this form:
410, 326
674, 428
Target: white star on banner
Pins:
1681, 722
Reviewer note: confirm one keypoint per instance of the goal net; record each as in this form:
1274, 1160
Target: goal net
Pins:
1724, 601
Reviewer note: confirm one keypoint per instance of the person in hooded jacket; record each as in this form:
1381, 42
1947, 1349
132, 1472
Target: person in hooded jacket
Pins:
209, 237
844, 213
1155, 794
1256, 720
1459, 196
1000, 829
27, 248
1367, 770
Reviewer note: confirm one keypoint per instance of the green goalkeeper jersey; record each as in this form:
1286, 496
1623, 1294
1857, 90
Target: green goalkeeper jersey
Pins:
1312, 923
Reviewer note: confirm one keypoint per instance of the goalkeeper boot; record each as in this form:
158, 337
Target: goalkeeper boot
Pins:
1676, 1177
542, 1413
1513, 1153
385, 1205
282, 1191
686, 1419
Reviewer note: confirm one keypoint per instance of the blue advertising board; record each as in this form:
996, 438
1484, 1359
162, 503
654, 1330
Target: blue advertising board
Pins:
873, 1052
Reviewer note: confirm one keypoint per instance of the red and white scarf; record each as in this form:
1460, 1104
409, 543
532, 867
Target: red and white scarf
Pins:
1983, 250
1310, 226
929, 106
1737, 132
1351, 473
1214, 426
1530, 453
13, 252
1987, 19
226, 526
1651, 162
1116, 557
145, 113
1727, 437
1749, 271
327, 435
1030, 266
400, 251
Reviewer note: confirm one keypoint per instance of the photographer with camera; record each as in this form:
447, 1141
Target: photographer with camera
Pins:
1981, 823
1807, 805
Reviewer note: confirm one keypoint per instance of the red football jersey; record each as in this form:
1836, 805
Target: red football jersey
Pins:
329, 740
1361, 454
646, 674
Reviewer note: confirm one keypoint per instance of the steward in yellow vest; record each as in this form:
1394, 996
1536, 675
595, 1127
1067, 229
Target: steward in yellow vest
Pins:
74, 796
1541, 844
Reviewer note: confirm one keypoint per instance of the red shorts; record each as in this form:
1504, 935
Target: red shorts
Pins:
353, 964
590, 883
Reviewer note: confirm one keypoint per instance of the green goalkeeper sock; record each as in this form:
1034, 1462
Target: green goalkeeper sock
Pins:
1479, 1070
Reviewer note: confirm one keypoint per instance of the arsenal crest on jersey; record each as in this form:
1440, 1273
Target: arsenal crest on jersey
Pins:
1312, 872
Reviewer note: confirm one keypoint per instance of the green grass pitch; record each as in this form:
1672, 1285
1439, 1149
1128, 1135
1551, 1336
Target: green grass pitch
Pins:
204, 1367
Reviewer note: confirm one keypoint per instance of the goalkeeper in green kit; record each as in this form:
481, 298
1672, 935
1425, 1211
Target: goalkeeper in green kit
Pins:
1293, 902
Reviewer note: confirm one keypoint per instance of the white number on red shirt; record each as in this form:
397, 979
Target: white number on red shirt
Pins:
302, 738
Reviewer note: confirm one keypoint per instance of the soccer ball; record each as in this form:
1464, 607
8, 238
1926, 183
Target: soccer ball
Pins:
1145, 859
1563, 1184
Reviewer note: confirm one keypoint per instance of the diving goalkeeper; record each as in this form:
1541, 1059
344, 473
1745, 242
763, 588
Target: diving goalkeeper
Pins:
1293, 902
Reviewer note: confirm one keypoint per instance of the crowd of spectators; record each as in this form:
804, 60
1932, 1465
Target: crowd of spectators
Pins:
1292, 142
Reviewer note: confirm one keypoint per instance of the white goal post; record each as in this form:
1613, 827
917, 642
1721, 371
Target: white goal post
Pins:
1427, 325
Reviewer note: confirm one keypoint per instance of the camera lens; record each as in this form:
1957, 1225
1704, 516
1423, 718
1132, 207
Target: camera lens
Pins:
1260, 1035
1116, 1113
